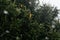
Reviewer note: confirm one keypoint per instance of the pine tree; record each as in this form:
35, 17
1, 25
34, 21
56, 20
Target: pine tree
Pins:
19, 21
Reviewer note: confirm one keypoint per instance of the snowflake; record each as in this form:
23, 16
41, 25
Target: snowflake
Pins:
53, 26
17, 37
7, 31
5, 12
29, 2
46, 38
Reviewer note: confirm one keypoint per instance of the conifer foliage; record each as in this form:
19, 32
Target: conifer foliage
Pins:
20, 21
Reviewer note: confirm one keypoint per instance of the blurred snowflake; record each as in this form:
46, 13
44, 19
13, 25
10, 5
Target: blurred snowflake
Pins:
7, 31
5, 12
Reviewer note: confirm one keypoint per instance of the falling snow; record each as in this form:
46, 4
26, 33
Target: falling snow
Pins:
5, 12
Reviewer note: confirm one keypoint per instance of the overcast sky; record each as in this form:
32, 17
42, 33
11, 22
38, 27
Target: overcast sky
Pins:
55, 3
